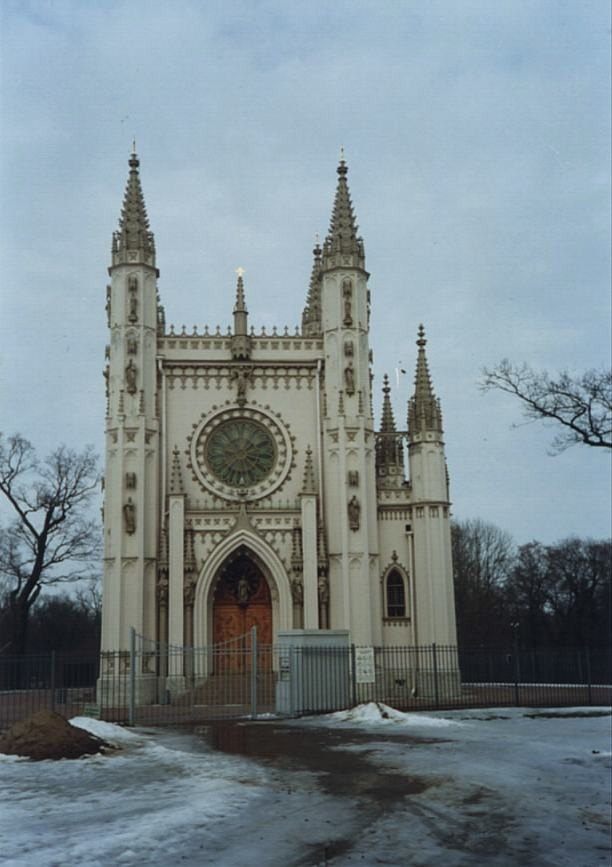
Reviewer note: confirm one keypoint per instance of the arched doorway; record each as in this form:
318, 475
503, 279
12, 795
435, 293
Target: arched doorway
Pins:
241, 600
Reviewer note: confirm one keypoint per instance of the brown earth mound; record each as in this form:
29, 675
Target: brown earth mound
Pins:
47, 735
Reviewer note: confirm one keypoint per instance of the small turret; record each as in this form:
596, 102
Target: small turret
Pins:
424, 413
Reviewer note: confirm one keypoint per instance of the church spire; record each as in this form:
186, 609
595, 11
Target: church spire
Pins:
342, 246
134, 235
424, 412
389, 454
311, 317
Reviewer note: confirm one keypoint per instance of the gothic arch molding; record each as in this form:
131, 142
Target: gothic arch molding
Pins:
274, 571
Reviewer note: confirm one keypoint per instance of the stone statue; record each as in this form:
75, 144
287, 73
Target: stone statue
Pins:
347, 292
242, 376
297, 589
162, 591
108, 306
349, 379
131, 372
243, 591
323, 587
133, 299
348, 316
129, 517
354, 513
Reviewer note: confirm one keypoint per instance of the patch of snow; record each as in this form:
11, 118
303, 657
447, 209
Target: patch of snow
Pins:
379, 713
109, 732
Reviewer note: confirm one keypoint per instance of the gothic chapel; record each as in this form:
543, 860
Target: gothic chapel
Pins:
246, 482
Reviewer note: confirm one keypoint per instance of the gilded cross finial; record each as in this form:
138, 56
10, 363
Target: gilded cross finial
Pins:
240, 271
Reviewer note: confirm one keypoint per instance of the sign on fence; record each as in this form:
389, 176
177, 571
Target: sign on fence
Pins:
364, 665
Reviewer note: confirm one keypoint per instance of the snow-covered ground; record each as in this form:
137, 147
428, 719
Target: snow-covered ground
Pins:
488, 787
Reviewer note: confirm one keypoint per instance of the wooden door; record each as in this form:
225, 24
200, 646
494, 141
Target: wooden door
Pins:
242, 600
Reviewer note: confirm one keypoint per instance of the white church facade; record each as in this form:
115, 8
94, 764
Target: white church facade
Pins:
246, 482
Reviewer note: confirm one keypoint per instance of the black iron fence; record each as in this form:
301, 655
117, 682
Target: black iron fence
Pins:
156, 684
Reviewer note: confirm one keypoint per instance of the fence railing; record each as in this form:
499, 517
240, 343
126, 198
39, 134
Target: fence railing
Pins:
153, 683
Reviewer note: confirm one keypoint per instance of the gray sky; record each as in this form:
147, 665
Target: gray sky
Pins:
477, 135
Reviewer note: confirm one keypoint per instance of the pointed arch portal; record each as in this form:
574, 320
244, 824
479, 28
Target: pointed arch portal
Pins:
241, 600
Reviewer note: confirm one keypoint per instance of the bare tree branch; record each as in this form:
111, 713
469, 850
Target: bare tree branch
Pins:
582, 405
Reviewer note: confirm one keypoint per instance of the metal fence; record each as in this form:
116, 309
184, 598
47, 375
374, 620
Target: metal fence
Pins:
155, 684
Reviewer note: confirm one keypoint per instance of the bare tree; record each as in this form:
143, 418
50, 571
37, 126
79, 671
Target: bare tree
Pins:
53, 538
483, 557
582, 405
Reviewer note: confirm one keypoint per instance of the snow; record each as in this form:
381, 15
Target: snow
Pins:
379, 713
503, 787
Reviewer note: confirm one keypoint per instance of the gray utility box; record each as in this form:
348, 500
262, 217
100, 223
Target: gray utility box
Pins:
314, 671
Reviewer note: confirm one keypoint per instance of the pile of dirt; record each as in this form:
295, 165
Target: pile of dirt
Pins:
47, 735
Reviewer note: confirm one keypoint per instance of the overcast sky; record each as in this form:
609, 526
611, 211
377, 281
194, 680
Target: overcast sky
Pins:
477, 135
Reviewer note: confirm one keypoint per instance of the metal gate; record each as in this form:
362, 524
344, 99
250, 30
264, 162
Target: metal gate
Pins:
169, 684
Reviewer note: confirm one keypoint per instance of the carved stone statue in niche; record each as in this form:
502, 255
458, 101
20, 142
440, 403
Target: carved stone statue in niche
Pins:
349, 379
132, 345
108, 306
130, 481
162, 591
353, 478
348, 348
242, 376
297, 591
105, 374
347, 293
243, 590
323, 588
131, 373
133, 299
354, 512
129, 517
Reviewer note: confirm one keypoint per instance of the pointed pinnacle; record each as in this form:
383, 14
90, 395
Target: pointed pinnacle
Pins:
240, 307
342, 236
311, 317
176, 476
424, 412
134, 233
387, 424
309, 485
